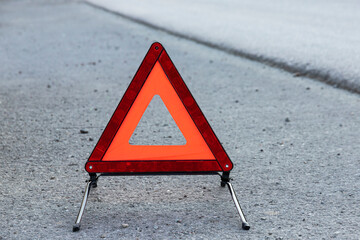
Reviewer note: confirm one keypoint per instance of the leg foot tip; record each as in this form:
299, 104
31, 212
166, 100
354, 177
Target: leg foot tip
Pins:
245, 226
223, 184
76, 227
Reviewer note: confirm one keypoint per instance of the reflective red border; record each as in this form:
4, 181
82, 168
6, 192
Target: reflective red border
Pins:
152, 166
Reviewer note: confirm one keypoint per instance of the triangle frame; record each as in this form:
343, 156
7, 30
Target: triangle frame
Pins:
96, 162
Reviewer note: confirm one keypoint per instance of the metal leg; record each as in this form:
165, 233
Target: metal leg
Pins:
245, 224
76, 226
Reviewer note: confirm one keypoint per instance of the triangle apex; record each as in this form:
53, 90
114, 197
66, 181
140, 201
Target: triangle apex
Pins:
157, 46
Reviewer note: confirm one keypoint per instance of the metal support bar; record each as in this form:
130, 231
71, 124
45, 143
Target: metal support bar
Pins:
92, 183
76, 226
245, 224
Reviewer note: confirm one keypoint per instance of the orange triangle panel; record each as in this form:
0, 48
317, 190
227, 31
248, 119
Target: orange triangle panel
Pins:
202, 152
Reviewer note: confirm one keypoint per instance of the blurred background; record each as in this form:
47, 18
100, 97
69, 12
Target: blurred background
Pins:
318, 39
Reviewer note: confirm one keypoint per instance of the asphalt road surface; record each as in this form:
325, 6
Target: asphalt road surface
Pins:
64, 67
319, 39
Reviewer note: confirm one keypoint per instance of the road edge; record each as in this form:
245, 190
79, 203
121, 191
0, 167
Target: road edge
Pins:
297, 71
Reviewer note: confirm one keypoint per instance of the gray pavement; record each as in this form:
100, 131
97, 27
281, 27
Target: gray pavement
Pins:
64, 67
318, 39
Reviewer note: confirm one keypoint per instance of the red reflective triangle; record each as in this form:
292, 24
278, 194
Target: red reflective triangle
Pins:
202, 152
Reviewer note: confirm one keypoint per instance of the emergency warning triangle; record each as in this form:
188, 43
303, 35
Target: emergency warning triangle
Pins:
202, 152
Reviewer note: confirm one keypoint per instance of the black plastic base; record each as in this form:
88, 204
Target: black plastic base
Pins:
76, 227
225, 177
245, 226
93, 179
